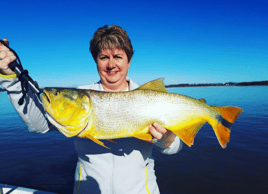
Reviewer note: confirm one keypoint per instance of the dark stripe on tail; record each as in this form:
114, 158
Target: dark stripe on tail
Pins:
224, 122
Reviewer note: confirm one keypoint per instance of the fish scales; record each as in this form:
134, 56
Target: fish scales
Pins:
104, 115
122, 114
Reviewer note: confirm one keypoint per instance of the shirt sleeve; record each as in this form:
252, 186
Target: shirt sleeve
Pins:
174, 148
31, 111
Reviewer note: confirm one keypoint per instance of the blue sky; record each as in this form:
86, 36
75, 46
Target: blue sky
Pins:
183, 41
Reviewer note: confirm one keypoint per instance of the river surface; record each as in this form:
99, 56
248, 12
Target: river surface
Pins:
47, 161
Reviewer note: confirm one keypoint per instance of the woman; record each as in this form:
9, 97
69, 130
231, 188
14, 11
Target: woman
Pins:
128, 167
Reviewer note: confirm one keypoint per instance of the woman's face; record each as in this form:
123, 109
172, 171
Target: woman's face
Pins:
113, 67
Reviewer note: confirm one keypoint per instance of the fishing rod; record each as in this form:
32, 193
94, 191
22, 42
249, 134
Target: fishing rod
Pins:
23, 76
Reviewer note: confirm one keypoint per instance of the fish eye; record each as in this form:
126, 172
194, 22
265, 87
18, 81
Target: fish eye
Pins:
56, 93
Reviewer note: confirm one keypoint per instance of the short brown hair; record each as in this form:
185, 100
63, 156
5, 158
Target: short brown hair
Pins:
110, 37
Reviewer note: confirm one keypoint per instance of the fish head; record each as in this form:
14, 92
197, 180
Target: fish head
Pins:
67, 109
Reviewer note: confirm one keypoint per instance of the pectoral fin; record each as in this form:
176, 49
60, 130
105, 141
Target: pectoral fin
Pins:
95, 140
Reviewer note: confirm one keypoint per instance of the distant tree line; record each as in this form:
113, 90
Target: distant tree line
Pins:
255, 83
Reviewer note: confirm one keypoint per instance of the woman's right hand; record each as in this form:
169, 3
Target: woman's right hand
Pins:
6, 57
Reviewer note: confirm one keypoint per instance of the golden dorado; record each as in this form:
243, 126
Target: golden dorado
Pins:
106, 115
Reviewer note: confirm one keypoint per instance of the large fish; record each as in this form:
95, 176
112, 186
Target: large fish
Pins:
105, 115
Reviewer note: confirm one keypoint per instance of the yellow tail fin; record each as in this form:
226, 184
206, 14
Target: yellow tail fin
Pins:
223, 123
230, 113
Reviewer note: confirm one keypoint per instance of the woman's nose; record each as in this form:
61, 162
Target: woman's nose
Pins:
111, 63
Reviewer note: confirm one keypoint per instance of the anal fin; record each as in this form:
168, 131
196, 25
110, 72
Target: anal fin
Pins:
188, 133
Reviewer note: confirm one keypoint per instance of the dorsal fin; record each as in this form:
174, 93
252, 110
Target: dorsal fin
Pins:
203, 100
156, 85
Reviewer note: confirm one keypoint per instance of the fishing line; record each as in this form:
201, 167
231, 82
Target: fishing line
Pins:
23, 76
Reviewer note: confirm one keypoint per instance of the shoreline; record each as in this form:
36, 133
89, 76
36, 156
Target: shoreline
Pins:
193, 86
209, 86
227, 84
255, 83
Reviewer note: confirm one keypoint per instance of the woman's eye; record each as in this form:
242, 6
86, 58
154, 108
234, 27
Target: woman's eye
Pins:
104, 57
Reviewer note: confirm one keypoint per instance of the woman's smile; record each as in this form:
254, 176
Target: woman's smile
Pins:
113, 67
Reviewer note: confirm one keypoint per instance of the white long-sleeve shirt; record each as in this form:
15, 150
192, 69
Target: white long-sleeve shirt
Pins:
127, 167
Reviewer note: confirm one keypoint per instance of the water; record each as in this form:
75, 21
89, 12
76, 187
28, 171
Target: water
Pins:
47, 161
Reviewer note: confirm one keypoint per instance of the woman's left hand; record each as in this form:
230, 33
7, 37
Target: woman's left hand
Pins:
162, 134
